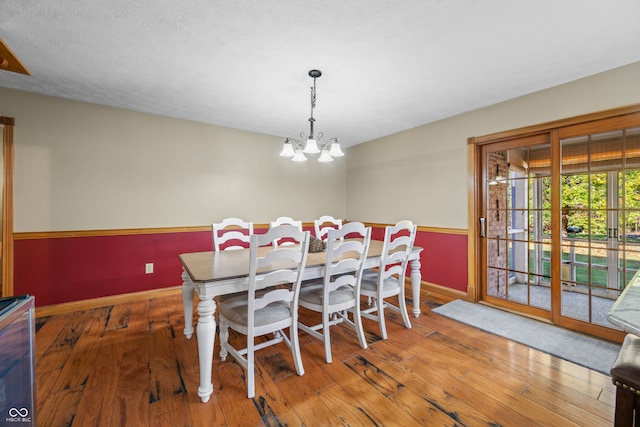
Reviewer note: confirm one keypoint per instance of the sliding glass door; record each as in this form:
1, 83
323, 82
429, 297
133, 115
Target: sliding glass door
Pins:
558, 221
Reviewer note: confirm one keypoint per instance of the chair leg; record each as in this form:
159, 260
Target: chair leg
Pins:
326, 337
625, 403
357, 321
224, 339
402, 304
251, 386
295, 346
383, 327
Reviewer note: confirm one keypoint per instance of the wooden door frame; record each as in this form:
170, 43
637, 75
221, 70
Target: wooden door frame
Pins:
7, 124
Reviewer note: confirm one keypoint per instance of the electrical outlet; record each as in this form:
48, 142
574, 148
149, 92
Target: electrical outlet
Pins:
148, 268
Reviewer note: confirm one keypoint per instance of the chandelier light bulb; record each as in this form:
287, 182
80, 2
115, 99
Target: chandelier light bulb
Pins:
325, 157
299, 156
287, 149
335, 150
311, 147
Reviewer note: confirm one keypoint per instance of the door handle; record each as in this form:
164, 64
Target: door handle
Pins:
482, 227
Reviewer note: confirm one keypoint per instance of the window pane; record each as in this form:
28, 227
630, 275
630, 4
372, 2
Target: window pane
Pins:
632, 148
606, 151
540, 160
496, 282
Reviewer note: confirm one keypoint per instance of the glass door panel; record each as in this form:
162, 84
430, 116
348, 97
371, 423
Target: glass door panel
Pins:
600, 237
517, 211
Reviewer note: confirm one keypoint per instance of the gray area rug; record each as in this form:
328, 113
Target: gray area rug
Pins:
580, 349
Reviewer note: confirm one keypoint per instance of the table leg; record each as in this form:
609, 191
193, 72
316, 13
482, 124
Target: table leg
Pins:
188, 290
206, 332
416, 279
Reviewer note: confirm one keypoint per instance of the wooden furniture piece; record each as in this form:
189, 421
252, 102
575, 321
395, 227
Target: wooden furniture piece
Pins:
625, 374
210, 274
389, 278
285, 220
231, 233
271, 303
338, 292
325, 223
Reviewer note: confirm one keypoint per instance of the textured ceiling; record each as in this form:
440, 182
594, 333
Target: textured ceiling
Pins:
387, 65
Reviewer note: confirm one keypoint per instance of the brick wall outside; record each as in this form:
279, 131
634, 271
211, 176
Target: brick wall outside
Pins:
497, 225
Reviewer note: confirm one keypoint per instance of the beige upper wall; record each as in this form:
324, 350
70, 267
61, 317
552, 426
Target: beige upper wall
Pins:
81, 166
421, 174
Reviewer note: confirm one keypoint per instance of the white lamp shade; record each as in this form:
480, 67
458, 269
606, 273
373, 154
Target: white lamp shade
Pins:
335, 150
325, 156
311, 147
287, 150
299, 156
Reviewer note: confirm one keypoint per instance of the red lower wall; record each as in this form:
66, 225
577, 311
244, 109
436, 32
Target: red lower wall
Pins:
57, 270
444, 259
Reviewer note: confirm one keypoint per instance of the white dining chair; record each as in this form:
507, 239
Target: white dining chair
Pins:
231, 233
338, 293
323, 224
388, 280
271, 303
285, 220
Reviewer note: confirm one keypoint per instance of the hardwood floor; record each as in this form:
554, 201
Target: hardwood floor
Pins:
130, 365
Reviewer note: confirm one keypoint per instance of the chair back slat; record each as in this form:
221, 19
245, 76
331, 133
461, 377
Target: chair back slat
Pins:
286, 263
325, 223
271, 297
337, 249
285, 220
396, 248
231, 233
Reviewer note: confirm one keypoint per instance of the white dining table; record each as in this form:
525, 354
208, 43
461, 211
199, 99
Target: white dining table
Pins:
211, 274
